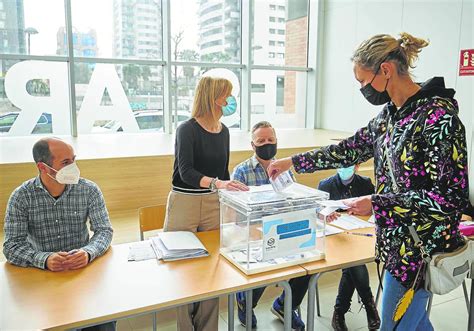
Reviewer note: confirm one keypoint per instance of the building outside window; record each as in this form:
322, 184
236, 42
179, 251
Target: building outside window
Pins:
124, 78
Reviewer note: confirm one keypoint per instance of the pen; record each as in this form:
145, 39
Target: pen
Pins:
361, 234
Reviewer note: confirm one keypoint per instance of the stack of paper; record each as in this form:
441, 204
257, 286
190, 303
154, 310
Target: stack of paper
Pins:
178, 245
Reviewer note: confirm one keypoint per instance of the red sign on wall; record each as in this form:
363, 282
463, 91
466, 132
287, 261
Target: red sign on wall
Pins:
466, 66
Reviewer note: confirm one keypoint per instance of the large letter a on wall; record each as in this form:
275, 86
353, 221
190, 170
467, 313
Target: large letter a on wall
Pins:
105, 77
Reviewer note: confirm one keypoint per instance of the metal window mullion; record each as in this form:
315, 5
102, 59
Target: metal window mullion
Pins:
283, 68
70, 64
208, 64
315, 60
25, 57
246, 59
166, 30
119, 61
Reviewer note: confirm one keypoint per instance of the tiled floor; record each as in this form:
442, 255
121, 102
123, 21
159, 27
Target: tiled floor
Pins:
448, 313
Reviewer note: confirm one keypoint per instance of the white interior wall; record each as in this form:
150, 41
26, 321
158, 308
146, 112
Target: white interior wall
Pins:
448, 24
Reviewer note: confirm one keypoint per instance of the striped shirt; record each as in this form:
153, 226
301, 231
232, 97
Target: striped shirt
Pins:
251, 173
37, 225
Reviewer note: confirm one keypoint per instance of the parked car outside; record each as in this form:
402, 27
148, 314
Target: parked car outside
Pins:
44, 124
147, 121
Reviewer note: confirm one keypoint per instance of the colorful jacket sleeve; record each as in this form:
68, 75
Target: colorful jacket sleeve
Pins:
356, 149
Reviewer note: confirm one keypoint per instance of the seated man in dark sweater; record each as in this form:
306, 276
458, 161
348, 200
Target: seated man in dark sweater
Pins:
347, 184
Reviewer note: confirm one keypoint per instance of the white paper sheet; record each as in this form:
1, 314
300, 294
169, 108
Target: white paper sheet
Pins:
350, 222
180, 240
336, 204
330, 230
141, 251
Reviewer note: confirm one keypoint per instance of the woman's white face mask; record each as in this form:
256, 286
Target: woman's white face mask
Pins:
66, 175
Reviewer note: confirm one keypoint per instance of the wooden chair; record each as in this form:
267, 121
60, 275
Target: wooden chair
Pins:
151, 218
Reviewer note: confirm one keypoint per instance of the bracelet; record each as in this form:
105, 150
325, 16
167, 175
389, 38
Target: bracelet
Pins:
212, 185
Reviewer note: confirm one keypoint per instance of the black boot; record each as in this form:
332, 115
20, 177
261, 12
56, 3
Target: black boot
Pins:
338, 322
373, 319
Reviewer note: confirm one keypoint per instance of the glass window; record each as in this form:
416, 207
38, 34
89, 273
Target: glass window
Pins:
184, 82
128, 97
119, 98
290, 32
283, 102
258, 88
208, 31
25, 29
122, 29
21, 105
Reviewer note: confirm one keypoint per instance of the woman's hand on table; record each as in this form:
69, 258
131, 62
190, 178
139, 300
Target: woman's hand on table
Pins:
231, 185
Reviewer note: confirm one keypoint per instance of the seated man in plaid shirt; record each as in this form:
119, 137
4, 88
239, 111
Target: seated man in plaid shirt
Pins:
253, 172
46, 217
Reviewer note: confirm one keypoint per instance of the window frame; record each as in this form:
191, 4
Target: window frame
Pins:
315, 12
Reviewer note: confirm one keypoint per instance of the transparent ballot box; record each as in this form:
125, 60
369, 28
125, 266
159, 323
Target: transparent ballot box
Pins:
263, 230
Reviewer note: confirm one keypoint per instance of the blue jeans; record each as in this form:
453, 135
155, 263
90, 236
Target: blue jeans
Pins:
415, 318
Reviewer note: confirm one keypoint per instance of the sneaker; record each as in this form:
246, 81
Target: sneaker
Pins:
278, 310
240, 297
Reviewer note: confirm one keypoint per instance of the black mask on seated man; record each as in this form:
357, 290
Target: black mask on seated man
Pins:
266, 152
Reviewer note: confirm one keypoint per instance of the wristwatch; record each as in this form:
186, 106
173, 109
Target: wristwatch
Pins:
212, 185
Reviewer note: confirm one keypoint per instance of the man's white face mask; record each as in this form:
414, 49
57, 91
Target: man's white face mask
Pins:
66, 175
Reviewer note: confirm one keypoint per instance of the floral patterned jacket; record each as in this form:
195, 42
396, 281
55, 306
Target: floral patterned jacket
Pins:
420, 163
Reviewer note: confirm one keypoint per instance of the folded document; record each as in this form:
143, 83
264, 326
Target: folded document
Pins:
178, 245
168, 246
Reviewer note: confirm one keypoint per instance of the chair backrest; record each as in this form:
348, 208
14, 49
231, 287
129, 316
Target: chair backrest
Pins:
151, 218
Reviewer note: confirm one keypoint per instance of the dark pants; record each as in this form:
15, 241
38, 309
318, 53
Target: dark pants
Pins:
299, 287
353, 278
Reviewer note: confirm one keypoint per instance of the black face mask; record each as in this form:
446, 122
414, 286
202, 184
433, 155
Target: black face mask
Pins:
266, 152
373, 96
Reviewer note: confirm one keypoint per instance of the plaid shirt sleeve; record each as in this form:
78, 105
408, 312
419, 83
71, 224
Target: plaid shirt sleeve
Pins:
16, 247
239, 174
100, 225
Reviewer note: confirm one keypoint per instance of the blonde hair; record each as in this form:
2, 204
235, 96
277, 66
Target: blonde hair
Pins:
207, 92
383, 47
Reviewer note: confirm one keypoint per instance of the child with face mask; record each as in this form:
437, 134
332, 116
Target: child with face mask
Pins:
344, 185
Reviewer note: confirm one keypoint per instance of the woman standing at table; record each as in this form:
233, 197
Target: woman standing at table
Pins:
419, 148
200, 169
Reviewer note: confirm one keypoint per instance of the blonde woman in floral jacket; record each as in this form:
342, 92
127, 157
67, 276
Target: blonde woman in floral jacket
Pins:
419, 148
